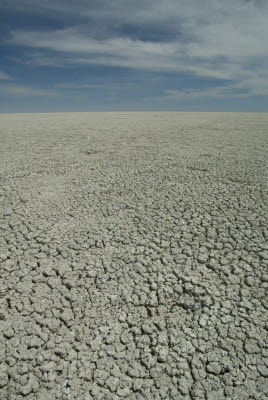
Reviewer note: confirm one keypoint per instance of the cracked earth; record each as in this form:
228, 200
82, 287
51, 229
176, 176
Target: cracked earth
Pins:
133, 256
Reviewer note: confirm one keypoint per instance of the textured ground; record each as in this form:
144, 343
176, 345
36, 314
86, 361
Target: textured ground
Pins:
133, 256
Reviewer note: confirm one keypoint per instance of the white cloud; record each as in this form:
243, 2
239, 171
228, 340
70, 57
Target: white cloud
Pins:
217, 92
218, 39
72, 41
27, 90
67, 85
5, 76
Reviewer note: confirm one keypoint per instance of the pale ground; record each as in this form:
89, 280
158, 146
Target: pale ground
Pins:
110, 219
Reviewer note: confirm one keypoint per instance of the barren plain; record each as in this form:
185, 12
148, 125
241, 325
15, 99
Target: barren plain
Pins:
133, 256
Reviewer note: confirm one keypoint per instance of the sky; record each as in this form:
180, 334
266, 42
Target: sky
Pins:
133, 55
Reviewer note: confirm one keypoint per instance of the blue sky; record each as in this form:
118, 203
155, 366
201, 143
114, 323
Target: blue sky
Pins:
178, 55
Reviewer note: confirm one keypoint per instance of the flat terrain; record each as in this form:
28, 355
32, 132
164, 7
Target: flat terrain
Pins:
133, 256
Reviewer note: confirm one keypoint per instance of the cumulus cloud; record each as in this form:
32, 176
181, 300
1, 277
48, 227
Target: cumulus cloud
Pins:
213, 39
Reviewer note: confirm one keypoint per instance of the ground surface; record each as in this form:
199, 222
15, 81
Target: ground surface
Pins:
133, 256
